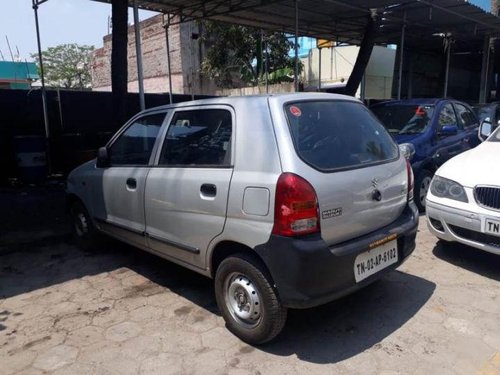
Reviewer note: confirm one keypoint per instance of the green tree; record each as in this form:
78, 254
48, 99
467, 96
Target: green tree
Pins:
238, 54
67, 65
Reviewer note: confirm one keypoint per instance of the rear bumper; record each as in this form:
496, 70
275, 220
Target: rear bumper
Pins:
308, 273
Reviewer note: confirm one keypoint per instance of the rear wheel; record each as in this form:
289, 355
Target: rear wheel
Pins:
86, 235
247, 301
422, 185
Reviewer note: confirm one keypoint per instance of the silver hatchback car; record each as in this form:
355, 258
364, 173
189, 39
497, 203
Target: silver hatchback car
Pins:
287, 201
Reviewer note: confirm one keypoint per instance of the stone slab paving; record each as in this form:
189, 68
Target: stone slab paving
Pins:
121, 311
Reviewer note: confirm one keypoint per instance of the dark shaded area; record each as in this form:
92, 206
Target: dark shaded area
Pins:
347, 327
32, 211
469, 258
80, 122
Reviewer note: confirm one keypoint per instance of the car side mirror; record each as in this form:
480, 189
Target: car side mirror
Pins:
102, 158
407, 149
448, 130
485, 129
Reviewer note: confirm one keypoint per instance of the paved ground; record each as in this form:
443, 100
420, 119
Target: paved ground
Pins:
121, 311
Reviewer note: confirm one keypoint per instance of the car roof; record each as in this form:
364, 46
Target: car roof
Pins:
241, 100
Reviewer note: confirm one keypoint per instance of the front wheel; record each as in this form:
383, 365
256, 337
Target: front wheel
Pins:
86, 235
422, 185
247, 300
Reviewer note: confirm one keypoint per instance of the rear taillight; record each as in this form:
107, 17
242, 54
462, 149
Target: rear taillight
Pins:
296, 207
411, 180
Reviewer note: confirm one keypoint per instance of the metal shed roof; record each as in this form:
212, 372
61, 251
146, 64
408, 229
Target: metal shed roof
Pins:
345, 20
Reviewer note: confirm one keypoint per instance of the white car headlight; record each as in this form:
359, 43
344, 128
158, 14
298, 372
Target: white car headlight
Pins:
444, 188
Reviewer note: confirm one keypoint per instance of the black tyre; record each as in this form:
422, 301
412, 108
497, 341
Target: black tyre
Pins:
247, 301
422, 185
86, 235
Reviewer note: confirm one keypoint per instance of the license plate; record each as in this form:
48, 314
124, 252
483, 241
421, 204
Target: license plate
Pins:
374, 260
492, 227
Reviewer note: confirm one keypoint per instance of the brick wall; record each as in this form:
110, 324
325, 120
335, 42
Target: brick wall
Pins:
185, 56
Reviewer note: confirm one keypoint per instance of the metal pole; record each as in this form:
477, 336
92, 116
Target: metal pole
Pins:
266, 68
42, 76
487, 76
363, 88
401, 56
484, 70
447, 73
138, 52
319, 72
296, 72
167, 25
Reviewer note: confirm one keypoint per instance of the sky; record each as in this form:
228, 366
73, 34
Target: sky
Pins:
61, 22
64, 21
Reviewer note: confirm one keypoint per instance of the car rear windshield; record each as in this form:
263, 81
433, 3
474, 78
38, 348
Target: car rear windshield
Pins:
404, 119
332, 135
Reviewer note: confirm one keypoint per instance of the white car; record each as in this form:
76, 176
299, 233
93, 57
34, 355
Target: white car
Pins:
463, 202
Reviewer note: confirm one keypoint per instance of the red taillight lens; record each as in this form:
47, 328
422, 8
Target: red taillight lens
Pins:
296, 207
411, 180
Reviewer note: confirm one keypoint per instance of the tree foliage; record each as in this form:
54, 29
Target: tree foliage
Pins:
67, 65
237, 54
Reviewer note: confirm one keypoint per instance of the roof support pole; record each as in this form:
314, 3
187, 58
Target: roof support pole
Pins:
447, 72
483, 90
296, 71
167, 25
42, 75
35, 4
401, 55
319, 71
138, 52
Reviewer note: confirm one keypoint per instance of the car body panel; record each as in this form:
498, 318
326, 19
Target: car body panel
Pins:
465, 222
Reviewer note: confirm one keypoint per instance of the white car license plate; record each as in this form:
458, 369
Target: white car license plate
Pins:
492, 227
374, 260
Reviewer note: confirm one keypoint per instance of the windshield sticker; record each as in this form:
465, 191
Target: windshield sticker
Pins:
294, 110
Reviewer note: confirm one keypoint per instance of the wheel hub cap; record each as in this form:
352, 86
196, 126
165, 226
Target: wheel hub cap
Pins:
242, 300
81, 225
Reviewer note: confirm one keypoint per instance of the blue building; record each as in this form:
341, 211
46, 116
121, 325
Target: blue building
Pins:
17, 75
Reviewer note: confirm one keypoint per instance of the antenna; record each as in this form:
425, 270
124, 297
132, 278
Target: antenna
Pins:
10, 50
1, 55
18, 55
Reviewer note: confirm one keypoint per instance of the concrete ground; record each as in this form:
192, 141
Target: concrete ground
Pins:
118, 310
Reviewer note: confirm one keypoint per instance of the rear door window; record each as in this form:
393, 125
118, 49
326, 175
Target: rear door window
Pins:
465, 116
332, 135
198, 138
447, 117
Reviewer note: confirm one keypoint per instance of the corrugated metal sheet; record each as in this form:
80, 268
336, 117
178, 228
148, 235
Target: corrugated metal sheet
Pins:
345, 20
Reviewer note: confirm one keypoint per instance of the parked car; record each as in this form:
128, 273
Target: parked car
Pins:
287, 201
437, 128
463, 203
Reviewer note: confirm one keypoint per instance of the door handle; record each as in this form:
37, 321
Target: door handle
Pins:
131, 183
208, 190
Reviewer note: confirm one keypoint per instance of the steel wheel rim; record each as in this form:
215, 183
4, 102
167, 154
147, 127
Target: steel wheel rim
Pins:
81, 225
424, 188
242, 300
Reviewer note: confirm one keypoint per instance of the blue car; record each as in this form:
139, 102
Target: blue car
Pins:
437, 128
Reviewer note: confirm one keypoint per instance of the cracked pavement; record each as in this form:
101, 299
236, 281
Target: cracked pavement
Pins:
119, 310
